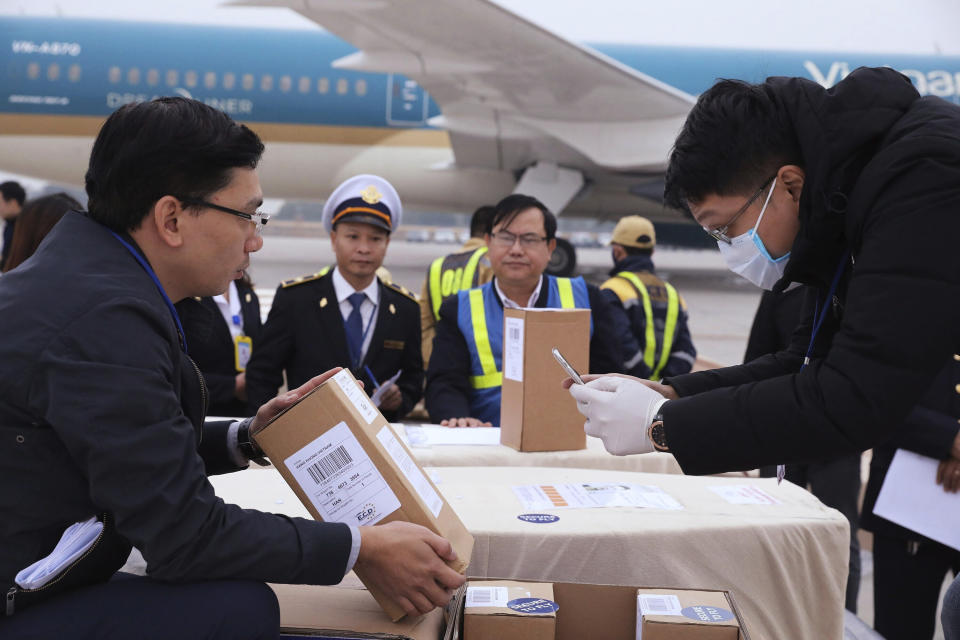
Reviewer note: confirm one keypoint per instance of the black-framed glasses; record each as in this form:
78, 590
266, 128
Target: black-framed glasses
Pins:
259, 218
720, 233
507, 239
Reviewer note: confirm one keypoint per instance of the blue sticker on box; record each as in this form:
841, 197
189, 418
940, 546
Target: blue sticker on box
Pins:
533, 605
539, 518
704, 613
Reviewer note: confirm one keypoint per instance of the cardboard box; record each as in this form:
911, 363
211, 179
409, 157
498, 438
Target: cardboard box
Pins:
593, 611
684, 614
536, 414
345, 463
509, 610
338, 612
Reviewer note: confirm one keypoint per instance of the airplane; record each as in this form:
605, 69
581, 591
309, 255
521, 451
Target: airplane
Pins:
456, 102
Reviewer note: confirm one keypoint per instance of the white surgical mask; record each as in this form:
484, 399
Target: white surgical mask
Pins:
746, 255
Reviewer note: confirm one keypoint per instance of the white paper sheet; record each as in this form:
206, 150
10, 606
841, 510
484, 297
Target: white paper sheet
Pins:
76, 539
429, 435
592, 495
911, 497
377, 396
743, 494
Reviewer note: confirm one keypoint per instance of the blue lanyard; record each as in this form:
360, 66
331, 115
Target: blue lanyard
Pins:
820, 314
156, 281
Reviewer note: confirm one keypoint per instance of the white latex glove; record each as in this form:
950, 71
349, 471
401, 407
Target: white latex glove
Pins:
618, 411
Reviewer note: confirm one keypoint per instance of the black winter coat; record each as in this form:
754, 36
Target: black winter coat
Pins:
882, 182
212, 348
95, 394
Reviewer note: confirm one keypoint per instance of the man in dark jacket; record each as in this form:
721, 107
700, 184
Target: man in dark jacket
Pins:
908, 568
463, 386
658, 343
854, 191
102, 409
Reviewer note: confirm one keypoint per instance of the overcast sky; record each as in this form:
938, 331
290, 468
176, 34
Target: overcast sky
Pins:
918, 26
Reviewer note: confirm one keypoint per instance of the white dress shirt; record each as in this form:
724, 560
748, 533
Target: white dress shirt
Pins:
510, 304
344, 290
230, 309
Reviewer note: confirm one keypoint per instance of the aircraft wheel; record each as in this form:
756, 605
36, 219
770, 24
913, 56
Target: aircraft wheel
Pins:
563, 261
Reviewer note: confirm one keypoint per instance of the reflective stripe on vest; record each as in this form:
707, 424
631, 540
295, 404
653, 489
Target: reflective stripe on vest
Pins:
669, 329
478, 316
448, 282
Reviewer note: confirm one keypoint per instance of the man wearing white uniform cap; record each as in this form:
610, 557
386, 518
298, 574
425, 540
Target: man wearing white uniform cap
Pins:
347, 316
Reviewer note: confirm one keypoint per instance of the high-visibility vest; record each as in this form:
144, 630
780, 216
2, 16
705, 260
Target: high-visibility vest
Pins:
480, 319
452, 274
653, 363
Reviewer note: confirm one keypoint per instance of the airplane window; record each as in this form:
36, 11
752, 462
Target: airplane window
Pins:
229, 80
304, 85
209, 79
190, 78
173, 77
266, 82
33, 70
323, 85
74, 73
114, 75
53, 71
285, 83
153, 77
342, 86
133, 76
248, 81
360, 87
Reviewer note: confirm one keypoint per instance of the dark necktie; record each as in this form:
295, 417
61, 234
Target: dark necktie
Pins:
354, 328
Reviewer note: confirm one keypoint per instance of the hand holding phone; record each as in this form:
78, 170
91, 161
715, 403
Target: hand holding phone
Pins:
566, 366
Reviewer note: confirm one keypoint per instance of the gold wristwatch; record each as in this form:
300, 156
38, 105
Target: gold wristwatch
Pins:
658, 434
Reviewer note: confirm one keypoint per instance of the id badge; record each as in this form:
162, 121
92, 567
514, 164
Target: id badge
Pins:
242, 348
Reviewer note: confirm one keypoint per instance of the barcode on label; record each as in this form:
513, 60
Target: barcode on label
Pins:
514, 333
486, 597
329, 464
654, 604
661, 604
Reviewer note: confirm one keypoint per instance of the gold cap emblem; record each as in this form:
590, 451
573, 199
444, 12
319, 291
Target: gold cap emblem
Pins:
371, 195
323, 302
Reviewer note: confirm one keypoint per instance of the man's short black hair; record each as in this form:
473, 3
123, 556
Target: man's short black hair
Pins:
480, 219
511, 206
13, 191
734, 139
167, 146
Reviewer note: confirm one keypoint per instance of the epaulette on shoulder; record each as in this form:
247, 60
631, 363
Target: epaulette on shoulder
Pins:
399, 288
300, 280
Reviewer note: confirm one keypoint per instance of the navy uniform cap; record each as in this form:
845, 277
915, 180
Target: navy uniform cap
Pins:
363, 198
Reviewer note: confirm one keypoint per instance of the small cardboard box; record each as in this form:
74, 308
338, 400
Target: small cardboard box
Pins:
684, 614
509, 610
536, 414
343, 460
594, 611
346, 612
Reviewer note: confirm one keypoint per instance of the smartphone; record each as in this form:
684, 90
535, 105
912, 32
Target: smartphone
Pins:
566, 366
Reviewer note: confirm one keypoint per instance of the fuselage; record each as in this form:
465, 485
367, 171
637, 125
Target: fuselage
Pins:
321, 124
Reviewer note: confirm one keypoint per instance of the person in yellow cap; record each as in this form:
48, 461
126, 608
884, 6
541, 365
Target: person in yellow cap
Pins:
659, 342
347, 316
450, 274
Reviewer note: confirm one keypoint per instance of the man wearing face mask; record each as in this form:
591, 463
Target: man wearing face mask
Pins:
854, 191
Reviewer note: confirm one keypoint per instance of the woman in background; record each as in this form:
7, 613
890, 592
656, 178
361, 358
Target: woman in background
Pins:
35, 221
221, 332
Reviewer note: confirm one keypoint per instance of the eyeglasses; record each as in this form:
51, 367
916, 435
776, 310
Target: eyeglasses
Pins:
720, 233
507, 239
258, 218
